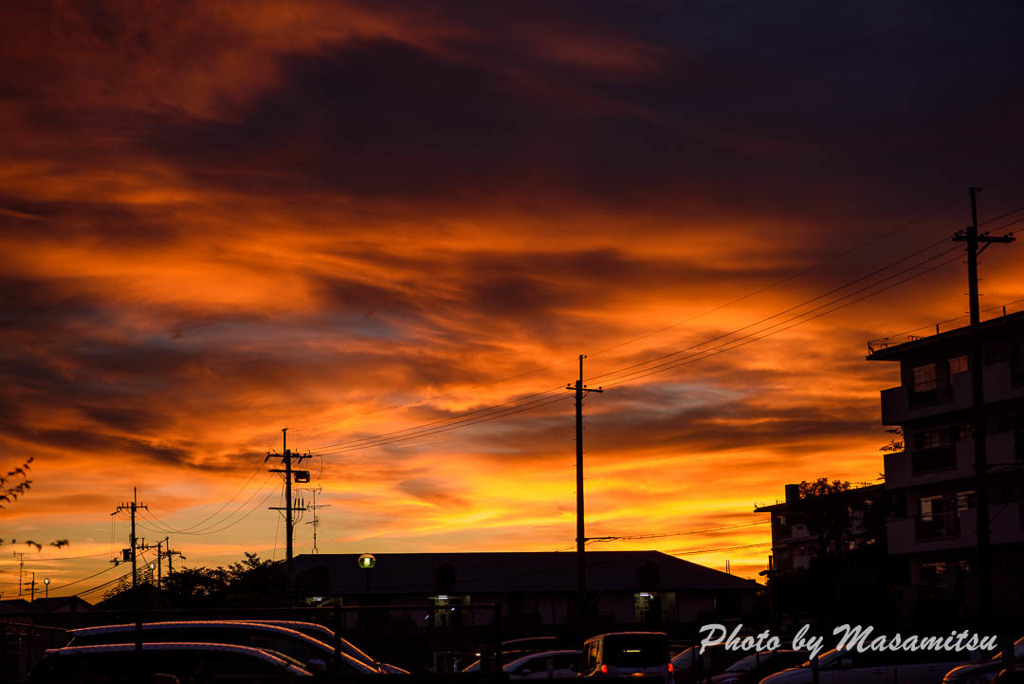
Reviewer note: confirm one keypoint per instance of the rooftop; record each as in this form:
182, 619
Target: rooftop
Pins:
501, 572
893, 347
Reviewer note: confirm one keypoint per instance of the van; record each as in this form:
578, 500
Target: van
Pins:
627, 654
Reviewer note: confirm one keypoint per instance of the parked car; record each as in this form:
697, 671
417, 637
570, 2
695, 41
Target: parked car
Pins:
872, 667
544, 665
627, 654
315, 655
690, 666
188, 661
326, 635
752, 668
513, 649
984, 671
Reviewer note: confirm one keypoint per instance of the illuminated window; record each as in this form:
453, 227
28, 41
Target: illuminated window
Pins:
965, 500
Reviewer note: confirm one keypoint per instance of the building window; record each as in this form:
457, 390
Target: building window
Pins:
958, 365
646, 606
924, 379
965, 500
940, 517
931, 508
929, 439
964, 432
924, 385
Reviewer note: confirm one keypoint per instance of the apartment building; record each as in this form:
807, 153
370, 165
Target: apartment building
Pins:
809, 527
932, 530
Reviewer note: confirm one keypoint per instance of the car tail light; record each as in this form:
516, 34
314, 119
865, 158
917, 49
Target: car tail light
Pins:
604, 669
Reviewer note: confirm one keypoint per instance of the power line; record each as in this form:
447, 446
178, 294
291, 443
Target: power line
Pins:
461, 423
484, 409
222, 527
777, 327
780, 313
54, 560
104, 585
659, 535
84, 579
699, 552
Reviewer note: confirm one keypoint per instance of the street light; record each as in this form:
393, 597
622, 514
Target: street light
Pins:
366, 562
46, 585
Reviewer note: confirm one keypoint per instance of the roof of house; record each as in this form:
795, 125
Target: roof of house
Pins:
422, 573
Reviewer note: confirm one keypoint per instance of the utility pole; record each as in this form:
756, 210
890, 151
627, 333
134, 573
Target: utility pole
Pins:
289, 508
973, 239
33, 588
581, 539
170, 557
21, 569
132, 507
160, 553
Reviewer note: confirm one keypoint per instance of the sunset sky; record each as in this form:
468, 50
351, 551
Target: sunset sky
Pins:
350, 219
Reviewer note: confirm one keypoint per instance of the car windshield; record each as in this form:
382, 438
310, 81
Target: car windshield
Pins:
748, 663
636, 650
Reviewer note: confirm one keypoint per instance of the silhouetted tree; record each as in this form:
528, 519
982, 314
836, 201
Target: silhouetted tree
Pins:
13, 484
251, 582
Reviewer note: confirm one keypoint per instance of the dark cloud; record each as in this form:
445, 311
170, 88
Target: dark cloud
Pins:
433, 491
90, 441
44, 305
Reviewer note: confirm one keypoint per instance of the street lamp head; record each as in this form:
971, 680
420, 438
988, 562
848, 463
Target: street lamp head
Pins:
367, 561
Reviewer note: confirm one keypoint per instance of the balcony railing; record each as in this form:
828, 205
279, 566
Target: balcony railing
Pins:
930, 330
926, 398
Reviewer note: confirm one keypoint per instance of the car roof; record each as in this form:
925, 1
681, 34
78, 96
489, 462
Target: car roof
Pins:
541, 655
239, 625
191, 646
618, 634
299, 626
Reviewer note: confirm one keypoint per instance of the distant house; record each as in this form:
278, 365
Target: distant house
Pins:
56, 604
933, 531
533, 588
14, 606
61, 604
837, 524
